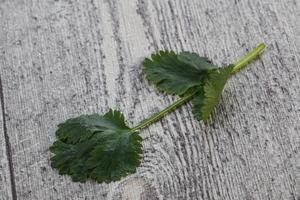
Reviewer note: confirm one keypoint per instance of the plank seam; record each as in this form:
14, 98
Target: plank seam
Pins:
8, 146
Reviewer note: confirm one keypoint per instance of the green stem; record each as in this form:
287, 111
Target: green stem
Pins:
162, 113
241, 64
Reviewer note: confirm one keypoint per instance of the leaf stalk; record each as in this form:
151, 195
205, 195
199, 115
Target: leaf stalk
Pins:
164, 112
242, 63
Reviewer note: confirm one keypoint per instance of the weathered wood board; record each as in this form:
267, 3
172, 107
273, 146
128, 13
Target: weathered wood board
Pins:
61, 58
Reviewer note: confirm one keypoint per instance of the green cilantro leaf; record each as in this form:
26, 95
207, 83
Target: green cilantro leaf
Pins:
186, 72
176, 73
102, 148
208, 97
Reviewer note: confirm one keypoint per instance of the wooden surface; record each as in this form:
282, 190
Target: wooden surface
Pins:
61, 58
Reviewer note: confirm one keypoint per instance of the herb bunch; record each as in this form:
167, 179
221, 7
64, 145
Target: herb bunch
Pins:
104, 148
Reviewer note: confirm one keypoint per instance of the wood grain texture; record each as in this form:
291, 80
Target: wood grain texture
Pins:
61, 58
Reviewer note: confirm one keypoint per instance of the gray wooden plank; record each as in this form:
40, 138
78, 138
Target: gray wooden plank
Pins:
6, 170
39, 68
63, 58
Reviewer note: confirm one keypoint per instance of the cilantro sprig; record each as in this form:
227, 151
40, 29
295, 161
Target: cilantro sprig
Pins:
104, 148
